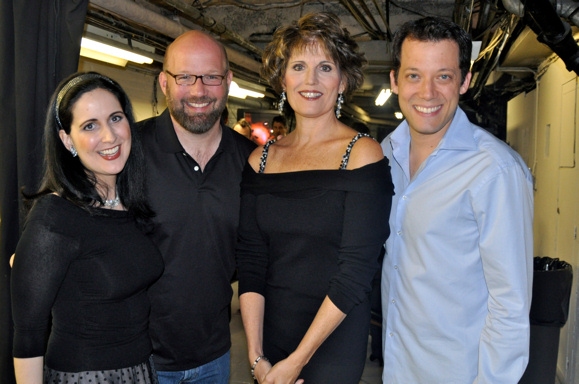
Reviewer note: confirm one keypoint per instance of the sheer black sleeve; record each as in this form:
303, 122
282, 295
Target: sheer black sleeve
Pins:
43, 255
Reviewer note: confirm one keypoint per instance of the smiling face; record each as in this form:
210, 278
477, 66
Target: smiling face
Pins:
101, 134
429, 85
198, 107
312, 82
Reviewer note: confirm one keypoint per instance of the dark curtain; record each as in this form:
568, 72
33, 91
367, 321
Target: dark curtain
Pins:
39, 46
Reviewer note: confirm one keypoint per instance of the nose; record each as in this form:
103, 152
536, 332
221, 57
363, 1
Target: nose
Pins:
311, 76
427, 89
196, 89
109, 134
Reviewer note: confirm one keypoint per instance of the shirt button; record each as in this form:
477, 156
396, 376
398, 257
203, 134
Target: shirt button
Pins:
404, 197
399, 233
395, 267
393, 301
196, 168
391, 334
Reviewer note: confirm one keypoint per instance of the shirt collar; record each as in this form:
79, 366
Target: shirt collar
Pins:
459, 136
166, 136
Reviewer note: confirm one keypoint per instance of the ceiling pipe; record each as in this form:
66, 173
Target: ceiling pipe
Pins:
515, 7
136, 13
132, 11
372, 18
359, 17
568, 10
545, 17
384, 18
554, 32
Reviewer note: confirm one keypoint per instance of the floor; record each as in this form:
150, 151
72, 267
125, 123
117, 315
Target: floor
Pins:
240, 367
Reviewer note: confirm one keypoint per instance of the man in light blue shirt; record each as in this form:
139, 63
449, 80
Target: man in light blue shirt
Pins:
457, 275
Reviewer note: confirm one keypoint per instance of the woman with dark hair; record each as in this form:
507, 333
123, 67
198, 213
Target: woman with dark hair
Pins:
313, 216
83, 263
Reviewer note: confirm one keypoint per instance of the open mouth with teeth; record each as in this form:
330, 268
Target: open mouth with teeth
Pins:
111, 153
198, 105
427, 110
311, 95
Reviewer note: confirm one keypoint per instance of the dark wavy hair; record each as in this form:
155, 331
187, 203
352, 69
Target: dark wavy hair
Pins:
279, 119
325, 29
433, 29
66, 175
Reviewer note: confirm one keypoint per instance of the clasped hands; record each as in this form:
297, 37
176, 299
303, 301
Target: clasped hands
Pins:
284, 372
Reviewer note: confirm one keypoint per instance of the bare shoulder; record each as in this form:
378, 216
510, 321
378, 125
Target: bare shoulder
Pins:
365, 151
255, 158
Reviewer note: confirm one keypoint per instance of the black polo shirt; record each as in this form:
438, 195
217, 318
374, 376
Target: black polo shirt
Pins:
196, 220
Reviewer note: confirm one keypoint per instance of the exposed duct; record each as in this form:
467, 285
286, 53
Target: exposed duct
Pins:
568, 10
544, 18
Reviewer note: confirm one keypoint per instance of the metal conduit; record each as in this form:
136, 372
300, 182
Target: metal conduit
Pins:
360, 18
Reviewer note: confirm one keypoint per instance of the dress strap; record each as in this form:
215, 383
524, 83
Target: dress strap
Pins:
263, 158
346, 156
343, 164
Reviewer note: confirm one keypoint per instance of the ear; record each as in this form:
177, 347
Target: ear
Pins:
342, 87
65, 138
393, 82
163, 82
229, 77
466, 83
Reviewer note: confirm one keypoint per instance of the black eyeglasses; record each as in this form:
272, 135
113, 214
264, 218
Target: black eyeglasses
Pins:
187, 79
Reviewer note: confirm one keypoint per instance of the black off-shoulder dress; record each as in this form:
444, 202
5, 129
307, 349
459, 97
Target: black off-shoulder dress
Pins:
307, 235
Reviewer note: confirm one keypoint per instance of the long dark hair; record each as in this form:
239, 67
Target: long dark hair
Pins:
66, 175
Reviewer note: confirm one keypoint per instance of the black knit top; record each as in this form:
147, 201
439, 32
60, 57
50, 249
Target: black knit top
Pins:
79, 288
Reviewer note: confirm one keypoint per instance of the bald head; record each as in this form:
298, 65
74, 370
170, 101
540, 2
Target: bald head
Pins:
192, 43
196, 107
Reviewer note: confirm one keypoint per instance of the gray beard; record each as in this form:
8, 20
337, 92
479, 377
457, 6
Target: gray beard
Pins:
198, 123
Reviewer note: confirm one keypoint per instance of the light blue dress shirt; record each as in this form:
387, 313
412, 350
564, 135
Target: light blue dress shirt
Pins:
457, 275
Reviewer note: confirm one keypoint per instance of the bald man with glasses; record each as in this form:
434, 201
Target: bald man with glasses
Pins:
194, 167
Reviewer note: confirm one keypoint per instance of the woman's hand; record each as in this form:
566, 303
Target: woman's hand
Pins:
284, 372
261, 370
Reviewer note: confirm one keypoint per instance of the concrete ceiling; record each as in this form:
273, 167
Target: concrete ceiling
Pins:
246, 26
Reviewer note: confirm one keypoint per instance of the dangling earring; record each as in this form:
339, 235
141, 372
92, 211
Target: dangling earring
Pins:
282, 100
339, 105
73, 151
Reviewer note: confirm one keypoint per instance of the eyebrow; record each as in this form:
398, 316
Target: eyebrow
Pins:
438, 70
321, 62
